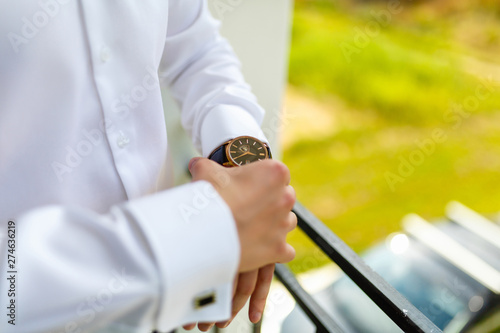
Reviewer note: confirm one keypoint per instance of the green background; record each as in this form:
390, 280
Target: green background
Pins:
428, 66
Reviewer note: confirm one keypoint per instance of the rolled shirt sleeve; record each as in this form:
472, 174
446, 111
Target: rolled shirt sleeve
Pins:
205, 78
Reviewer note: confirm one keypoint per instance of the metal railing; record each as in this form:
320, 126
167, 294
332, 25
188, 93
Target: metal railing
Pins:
388, 299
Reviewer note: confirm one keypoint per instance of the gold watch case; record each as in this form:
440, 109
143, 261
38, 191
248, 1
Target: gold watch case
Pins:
244, 150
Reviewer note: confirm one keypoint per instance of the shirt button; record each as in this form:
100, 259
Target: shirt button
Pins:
105, 54
122, 140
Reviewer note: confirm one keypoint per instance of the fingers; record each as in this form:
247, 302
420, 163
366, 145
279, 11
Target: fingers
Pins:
260, 198
281, 208
254, 284
203, 168
289, 197
278, 171
273, 170
193, 161
195, 167
287, 254
205, 326
246, 286
291, 222
224, 324
259, 296
189, 327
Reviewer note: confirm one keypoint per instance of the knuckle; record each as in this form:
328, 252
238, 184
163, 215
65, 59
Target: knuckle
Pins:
289, 198
286, 252
295, 220
282, 170
288, 223
278, 170
292, 221
291, 254
282, 249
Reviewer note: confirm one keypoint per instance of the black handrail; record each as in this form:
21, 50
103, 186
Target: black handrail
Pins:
324, 323
388, 299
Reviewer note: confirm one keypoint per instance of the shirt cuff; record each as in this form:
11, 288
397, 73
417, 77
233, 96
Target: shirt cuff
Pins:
195, 242
227, 122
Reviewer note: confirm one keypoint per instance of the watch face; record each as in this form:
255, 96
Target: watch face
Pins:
245, 149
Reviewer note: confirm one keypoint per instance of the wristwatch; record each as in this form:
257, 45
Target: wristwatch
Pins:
241, 150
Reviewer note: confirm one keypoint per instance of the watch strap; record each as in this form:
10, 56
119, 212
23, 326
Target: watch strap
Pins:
219, 154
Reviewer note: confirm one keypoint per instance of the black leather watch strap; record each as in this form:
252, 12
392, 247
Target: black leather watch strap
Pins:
219, 155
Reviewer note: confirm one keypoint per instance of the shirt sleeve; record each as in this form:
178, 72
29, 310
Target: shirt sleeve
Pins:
154, 263
205, 78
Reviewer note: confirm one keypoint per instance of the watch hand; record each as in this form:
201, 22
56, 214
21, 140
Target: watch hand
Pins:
241, 155
246, 153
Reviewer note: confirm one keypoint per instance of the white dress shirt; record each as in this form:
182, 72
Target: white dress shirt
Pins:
100, 244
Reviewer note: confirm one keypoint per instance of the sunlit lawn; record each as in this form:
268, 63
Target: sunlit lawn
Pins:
395, 91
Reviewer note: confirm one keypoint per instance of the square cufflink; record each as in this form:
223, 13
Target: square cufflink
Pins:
204, 300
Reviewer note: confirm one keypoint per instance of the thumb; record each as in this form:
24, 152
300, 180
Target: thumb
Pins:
202, 168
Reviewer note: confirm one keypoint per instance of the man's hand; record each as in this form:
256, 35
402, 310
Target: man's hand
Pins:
254, 284
261, 199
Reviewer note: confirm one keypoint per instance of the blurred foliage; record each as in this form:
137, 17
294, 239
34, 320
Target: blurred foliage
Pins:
406, 72
403, 83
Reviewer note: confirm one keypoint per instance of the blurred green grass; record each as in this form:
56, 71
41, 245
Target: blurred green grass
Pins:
406, 78
406, 73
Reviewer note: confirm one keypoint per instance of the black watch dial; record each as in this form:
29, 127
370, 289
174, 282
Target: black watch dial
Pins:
245, 149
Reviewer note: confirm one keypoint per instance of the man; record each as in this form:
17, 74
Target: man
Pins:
92, 240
